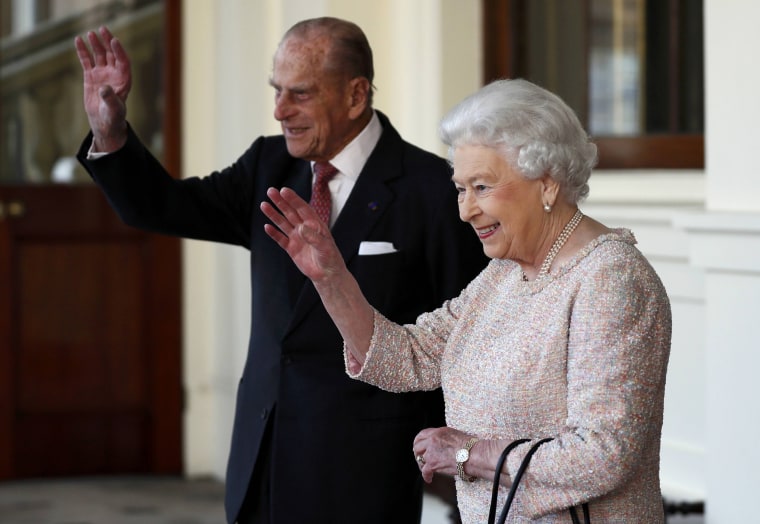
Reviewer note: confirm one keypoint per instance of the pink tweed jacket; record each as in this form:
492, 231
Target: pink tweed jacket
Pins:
580, 357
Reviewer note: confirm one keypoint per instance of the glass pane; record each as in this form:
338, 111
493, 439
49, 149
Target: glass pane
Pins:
555, 54
674, 67
43, 120
615, 67
627, 67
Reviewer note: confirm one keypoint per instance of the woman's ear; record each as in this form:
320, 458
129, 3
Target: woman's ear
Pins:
549, 190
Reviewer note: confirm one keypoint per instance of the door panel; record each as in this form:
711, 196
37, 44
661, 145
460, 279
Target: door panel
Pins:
77, 298
90, 339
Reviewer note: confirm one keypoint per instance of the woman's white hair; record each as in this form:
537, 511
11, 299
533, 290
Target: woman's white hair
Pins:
535, 131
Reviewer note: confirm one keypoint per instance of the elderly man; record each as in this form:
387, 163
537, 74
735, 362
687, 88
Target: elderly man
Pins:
309, 444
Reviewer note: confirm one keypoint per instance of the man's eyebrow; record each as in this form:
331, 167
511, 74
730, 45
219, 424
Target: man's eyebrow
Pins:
299, 88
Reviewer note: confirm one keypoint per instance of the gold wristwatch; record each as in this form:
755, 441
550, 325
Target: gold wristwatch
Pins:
462, 456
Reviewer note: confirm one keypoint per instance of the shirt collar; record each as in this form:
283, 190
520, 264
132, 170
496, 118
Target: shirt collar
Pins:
350, 161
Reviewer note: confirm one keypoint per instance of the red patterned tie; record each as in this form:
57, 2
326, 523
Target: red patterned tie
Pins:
320, 193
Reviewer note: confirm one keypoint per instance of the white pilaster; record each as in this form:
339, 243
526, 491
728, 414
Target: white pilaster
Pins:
727, 247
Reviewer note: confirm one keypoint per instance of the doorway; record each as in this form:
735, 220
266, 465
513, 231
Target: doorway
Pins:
90, 333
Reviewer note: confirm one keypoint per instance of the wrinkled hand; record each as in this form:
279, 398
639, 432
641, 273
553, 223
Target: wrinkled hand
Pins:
302, 235
107, 81
438, 448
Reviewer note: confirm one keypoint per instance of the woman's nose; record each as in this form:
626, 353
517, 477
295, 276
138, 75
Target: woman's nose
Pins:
467, 207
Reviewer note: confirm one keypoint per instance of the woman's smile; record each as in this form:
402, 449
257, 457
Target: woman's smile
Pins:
486, 232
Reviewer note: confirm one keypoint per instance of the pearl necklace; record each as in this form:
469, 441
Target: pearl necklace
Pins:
561, 239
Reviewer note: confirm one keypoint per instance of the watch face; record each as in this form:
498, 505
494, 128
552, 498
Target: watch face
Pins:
462, 455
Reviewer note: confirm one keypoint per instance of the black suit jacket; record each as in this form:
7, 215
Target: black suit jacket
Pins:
341, 450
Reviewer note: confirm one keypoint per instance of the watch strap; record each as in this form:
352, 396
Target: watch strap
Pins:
460, 465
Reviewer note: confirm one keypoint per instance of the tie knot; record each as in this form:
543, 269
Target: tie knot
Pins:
324, 171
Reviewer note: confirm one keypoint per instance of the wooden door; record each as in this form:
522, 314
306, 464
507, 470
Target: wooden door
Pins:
89, 326
90, 345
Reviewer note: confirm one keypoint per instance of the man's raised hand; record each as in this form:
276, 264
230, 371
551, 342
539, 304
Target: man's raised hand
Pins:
107, 81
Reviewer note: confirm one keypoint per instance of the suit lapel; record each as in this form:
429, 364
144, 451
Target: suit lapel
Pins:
299, 180
368, 202
370, 199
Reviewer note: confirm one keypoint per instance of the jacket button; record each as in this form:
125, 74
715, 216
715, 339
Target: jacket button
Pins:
264, 413
287, 360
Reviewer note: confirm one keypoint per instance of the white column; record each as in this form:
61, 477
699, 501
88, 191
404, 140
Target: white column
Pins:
725, 242
732, 105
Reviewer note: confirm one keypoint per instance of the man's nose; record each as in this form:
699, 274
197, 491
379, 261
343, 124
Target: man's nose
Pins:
282, 108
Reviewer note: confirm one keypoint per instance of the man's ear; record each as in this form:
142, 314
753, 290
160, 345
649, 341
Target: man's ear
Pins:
358, 93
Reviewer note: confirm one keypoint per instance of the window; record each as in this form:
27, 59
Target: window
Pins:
42, 120
631, 69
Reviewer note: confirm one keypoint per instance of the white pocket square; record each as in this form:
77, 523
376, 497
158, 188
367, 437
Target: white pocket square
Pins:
376, 248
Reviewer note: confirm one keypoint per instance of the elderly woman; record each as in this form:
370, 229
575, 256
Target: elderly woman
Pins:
565, 334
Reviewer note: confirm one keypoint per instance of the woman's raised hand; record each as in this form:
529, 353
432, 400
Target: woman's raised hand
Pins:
301, 233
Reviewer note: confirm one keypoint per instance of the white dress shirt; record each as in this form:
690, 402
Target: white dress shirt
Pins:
349, 163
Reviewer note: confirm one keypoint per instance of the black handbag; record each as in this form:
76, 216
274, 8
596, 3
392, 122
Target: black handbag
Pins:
516, 482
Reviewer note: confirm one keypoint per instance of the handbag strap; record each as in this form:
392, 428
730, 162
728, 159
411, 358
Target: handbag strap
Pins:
497, 477
586, 514
518, 477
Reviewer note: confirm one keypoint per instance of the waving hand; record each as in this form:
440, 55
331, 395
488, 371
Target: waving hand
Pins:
308, 241
302, 235
107, 81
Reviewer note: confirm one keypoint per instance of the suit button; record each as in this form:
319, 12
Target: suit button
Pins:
264, 413
287, 360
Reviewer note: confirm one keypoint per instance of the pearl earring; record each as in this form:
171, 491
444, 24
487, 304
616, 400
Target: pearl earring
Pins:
547, 208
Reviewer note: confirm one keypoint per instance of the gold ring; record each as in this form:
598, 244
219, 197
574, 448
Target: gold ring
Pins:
420, 459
